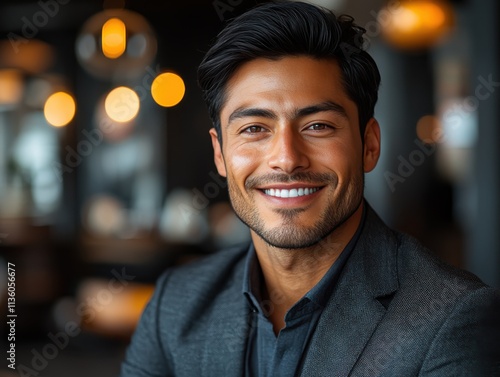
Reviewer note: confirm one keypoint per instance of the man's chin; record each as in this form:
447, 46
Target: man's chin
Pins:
290, 238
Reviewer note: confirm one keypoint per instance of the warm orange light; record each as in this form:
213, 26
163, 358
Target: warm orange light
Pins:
122, 104
117, 308
429, 129
168, 89
114, 38
416, 23
11, 86
34, 57
59, 109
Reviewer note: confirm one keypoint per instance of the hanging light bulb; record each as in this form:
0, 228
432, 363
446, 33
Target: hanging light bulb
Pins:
114, 38
416, 24
116, 44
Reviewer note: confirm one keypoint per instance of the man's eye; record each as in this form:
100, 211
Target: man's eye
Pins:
253, 129
319, 127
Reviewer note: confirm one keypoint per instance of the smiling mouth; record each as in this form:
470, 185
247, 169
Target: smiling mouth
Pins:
292, 193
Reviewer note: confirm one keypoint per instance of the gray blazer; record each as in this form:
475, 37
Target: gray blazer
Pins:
396, 311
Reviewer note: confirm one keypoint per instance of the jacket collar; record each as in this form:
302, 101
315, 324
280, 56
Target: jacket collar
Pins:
378, 247
358, 303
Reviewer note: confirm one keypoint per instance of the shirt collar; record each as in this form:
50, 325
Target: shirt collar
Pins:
252, 279
321, 292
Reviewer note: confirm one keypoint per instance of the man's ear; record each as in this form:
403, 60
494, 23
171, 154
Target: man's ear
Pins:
218, 157
371, 150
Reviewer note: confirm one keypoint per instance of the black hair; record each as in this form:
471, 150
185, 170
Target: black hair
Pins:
287, 28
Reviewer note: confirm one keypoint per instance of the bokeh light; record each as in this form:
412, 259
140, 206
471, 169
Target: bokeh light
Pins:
59, 109
104, 215
11, 82
34, 57
114, 38
111, 130
429, 129
116, 43
168, 89
124, 308
417, 23
122, 104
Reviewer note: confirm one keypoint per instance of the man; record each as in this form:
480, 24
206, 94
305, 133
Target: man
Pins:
325, 288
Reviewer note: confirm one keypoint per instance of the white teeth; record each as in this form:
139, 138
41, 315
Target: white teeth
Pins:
293, 193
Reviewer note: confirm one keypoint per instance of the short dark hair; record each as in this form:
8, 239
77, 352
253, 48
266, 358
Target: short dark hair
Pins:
286, 28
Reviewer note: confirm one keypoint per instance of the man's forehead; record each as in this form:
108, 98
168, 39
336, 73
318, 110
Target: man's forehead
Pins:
292, 83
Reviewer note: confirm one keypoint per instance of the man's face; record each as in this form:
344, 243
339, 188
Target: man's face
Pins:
292, 151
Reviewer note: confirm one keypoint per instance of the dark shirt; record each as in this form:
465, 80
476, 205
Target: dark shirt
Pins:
269, 355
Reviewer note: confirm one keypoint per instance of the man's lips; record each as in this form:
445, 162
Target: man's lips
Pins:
290, 192
294, 189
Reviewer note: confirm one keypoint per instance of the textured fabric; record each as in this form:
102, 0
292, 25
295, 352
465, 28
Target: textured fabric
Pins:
395, 311
269, 355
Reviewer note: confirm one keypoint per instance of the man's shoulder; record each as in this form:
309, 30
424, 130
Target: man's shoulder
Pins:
409, 260
205, 277
416, 263
431, 288
431, 316
194, 293
221, 258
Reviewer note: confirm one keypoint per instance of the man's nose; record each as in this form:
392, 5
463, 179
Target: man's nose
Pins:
288, 152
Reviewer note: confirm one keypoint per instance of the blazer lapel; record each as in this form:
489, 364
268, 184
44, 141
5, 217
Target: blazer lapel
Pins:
357, 305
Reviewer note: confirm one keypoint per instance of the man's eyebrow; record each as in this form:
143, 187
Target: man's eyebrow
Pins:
321, 107
251, 112
308, 110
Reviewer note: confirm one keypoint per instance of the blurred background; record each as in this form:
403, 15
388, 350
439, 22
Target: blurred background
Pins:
106, 169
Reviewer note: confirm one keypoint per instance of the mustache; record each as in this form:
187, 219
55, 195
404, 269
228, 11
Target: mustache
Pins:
317, 179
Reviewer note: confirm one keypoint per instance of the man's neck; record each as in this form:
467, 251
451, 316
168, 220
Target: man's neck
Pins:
290, 274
